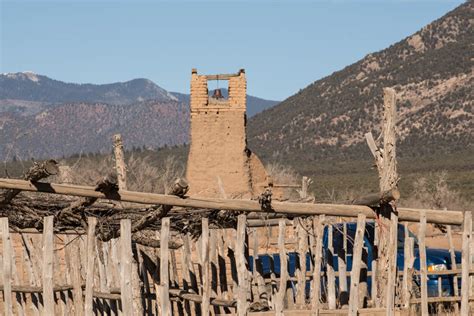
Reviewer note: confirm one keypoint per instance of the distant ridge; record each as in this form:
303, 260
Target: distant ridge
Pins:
433, 74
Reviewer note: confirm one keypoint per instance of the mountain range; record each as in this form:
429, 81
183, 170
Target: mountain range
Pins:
319, 131
42, 117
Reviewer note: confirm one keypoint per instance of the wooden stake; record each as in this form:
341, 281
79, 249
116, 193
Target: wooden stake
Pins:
423, 272
330, 270
164, 266
120, 166
7, 267
88, 301
453, 264
126, 266
301, 269
466, 262
71, 256
356, 265
316, 285
206, 285
48, 255
279, 303
242, 272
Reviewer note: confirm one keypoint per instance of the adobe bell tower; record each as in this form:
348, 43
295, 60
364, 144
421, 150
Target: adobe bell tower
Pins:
219, 162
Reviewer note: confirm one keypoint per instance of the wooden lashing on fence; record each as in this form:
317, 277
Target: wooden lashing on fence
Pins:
356, 265
466, 262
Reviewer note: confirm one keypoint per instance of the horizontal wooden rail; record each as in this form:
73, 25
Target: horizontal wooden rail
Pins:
404, 214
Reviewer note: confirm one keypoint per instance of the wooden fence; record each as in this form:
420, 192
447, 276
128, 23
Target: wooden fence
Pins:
219, 272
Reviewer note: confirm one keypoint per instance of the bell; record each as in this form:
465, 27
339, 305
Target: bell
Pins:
217, 94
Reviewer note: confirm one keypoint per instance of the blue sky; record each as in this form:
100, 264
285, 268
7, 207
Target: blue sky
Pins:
283, 45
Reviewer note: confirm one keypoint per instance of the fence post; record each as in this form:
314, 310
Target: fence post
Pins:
120, 162
88, 300
330, 270
301, 272
452, 254
392, 272
342, 268
126, 266
70, 252
7, 267
356, 265
242, 272
407, 267
279, 303
318, 248
206, 285
466, 262
423, 273
164, 265
48, 255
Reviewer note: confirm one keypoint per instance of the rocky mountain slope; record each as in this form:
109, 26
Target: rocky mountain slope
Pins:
432, 72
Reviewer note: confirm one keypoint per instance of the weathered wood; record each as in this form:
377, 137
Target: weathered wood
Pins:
279, 303
37, 172
387, 167
106, 185
452, 254
422, 254
375, 302
120, 166
342, 269
32, 276
88, 301
301, 268
356, 265
48, 255
377, 199
392, 272
404, 214
189, 275
164, 267
71, 252
317, 254
466, 262
7, 267
242, 272
407, 256
179, 189
126, 267
206, 284
213, 261
376, 152
330, 270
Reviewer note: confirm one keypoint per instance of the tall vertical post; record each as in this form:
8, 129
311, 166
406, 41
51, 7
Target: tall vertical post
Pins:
48, 255
387, 167
7, 267
466, 262
120, 162
126, 266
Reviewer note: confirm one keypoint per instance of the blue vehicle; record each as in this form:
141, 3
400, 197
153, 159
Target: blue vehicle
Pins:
436, 259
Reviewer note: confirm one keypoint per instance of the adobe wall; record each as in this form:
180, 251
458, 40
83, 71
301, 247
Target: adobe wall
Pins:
219, 163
